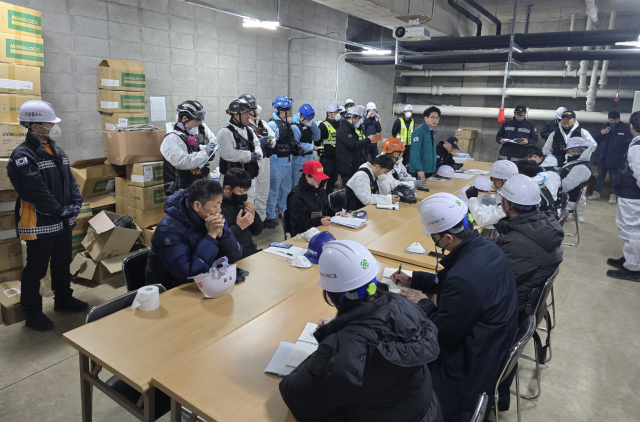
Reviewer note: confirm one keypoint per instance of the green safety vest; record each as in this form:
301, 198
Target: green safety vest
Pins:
332, 134
405, 134
360, 134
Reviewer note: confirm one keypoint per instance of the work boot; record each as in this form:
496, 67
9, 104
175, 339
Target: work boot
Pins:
624, 274
613, 199
70, 304
39, 322
616, 263
595, 196
270, 224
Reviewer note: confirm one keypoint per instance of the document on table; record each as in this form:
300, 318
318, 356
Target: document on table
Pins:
394, 207
476, 171
437, 179
276, 366
305, 345
386, 278
463, 176
350, 222
291, 253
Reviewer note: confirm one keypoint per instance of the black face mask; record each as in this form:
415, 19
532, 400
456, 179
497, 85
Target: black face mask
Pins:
572, 158
238, 199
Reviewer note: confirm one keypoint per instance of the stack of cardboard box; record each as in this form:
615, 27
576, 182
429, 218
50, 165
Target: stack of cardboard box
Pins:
466, 140
145, 193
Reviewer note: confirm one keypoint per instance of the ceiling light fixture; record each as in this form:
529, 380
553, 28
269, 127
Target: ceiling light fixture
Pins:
255, 23
630, 43
371, 52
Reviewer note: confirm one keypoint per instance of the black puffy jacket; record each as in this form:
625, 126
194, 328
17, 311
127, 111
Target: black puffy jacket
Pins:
371, 365
445, 158
532, 243
307, 206
350, 150
244, 237
477, 321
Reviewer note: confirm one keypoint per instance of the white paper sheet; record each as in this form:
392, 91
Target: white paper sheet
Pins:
386, 278
307, 333
158, 109
476, 171
463, 176
276, 366
291, 253
300, 352
350, 222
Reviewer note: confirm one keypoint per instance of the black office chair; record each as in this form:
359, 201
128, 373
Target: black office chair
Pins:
286, 223
163, 402
525, 332
133, 268
481, 409
338, 200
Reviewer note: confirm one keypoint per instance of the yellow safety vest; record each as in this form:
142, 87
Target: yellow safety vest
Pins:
332, 134
405, 134
360, 134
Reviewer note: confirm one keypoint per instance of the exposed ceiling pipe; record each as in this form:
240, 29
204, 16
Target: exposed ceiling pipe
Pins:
568, 63
584, 63
592, 11
543, 56
485, 12
605, 64
520, 73
591, 94
491, 112
511, 92
468, 15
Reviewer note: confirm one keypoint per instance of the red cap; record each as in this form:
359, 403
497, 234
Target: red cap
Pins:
314, 168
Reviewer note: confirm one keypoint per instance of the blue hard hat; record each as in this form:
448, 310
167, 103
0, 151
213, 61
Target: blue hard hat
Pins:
316, 244
307, 111
282, 102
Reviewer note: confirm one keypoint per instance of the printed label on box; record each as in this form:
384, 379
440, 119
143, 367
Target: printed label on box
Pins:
148, 174
109, 82
109, 104
159, 196
137, 178
24, 22
17, 85
18, 49
103, 185
123, 122
134, 80
132, 102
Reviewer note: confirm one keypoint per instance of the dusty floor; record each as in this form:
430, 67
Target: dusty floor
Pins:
593, 376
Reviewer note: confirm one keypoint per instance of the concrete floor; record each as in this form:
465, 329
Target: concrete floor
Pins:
593, 375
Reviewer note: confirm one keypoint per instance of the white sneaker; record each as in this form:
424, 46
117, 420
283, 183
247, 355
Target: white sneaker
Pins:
580, 219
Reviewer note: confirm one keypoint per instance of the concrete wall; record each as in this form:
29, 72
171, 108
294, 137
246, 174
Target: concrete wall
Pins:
192, 52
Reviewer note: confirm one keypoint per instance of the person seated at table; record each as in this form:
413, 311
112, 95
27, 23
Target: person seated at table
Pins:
477, 311
549, 183
362, 189
191, 236
575, 174
487, 211
240, 215
394, 148
371, 361
308, 203
444, 150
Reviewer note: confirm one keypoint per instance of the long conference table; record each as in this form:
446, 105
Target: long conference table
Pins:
209, 355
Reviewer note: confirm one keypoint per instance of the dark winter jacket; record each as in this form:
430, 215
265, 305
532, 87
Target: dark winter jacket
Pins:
513, 129
371, 365
444, 156
181, 247
45, 186
244, 237
613, 146
350, 150
328, 139
548, 128
477, 321
370, 126
307, 206
532, 243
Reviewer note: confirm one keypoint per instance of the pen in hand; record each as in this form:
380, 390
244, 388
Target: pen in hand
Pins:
399, 271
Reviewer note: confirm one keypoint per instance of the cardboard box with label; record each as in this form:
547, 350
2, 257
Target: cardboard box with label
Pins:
20, 49
78, 234
133, 147
148, 235
10, 302
10, 106
146, 218
18, 20
467, 145
121, 75
11, 135
10, 255
146, 198
123, 120
18, 79
8, 201
7, 228
105, 240
101, 272
145, 174
93, 177
120, 101
466, 134
95, 204
5, 183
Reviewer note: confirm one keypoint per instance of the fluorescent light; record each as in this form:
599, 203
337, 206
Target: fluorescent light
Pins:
630, 43
371, 52
255, 23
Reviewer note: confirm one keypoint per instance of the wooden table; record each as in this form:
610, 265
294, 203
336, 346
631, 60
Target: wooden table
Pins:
453, 185
134, 345
226, 381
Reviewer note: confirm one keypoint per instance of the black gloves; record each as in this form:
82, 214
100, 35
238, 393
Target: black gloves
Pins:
472, 192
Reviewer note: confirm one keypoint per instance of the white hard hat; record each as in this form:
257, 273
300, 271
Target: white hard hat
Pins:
440, 212
357, 110
408, 107
503, 169
482, 183
349, 101
346, 265
332, 107
559, 112
37, 111
371, 106
577, 142
341, 108
550, 161
521, 190
217, 283
445, 171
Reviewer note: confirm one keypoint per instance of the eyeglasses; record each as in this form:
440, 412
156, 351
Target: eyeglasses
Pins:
434, 117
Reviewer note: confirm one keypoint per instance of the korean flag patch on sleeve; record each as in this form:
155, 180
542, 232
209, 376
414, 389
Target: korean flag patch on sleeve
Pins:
21, 162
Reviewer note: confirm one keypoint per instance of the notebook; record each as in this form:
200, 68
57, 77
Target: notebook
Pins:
394, 207
276, 366
350, 222
386, 278
305, 345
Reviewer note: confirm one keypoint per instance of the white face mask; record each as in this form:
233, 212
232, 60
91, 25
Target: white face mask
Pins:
310, 233
358, 123
290, 119
308, 123
408, 114
337, 117
55, 132
301, 262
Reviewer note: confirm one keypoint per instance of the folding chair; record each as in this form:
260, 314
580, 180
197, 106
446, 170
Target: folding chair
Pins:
575, 217
338, 200
481, 409
133, 270
525, 332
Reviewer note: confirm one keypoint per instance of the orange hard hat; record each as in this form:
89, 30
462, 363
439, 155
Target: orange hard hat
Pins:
392, 145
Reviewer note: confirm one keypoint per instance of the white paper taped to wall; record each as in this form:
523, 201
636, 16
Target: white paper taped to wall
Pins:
158, 109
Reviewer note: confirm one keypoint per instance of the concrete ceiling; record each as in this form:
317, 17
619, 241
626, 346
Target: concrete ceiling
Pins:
552, 9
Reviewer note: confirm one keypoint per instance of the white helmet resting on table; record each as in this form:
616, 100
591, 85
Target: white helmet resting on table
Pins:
503, 169
36, 111
371, 106
346, 265
521, 190
445, 171
441, 212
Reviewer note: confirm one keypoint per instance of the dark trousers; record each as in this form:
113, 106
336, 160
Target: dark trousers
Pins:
345, 178
406, 157
602, 173
39, 252
371, 152
330, 168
